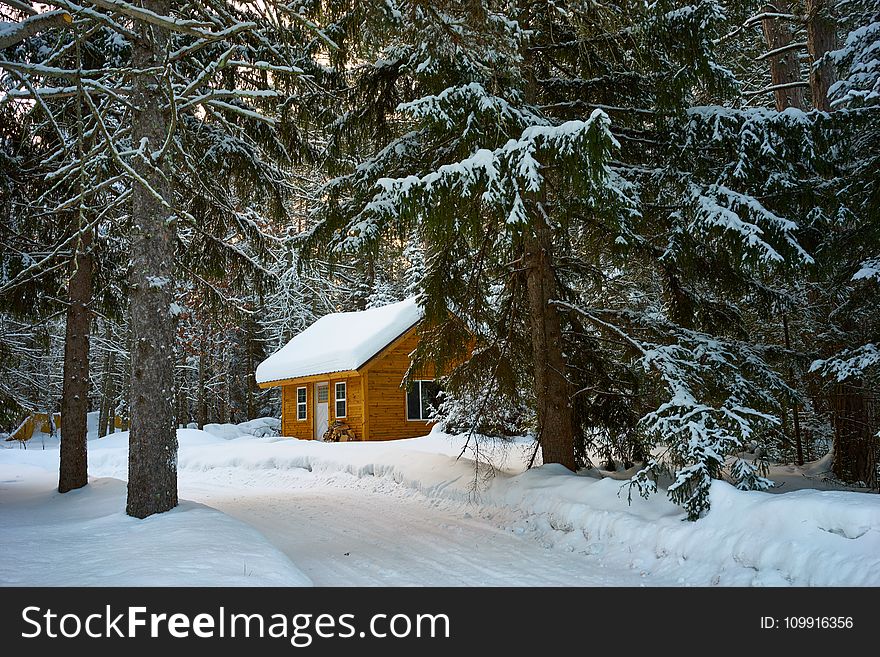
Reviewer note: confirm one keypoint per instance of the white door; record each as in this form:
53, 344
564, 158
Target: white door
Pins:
321, 409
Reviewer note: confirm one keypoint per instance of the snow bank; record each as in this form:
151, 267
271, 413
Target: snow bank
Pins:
258, 428
805, 537
748, 538
84, 538
339, 342
119, 441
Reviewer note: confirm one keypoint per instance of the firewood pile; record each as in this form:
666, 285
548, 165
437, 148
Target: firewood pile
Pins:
339, 432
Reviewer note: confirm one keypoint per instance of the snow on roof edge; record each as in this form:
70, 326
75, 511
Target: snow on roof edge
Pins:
303, 376
340, 342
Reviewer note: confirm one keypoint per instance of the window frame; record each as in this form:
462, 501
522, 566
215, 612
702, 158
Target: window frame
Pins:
343, 399
303, 404
417, 385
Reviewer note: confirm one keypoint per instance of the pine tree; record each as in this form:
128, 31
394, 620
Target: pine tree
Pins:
848, 361
645, 188
208, 88
73, 218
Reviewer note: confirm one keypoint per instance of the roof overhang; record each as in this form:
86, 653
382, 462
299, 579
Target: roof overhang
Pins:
345, 374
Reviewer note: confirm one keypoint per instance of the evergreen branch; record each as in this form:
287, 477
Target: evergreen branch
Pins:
13, 33
37, 269
190, 27
41, 103
777, 87
296, 15
108, 140
792, 18
97, 16
786, 48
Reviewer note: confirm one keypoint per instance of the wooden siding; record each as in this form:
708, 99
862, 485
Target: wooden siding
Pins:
386, 398
376, 402
354, 413
290, 426
305, 429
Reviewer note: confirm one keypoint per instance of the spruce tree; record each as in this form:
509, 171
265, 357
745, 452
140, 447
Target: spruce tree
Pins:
614, 148
191, 92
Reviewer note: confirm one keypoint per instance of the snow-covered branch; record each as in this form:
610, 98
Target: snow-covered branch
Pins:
505, 177
850, 363
13, 33
194, 28
715, 389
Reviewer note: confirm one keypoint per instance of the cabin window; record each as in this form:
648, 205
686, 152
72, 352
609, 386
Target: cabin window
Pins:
340, 399
301, 403
421, 400
322, 394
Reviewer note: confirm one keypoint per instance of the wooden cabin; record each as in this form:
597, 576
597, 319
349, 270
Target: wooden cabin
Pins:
350, 367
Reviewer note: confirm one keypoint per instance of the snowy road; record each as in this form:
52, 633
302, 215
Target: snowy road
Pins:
345, 531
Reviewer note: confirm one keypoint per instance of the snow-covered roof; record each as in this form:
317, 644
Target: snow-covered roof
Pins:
339, 342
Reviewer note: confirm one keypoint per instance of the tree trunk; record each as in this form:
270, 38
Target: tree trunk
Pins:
104, 408
152, 465
122, 399
227, 385
785, 68
111, 414
183, 417
74, 472
249, 375
107, 391
203, 397
856, 444
552, 390
107, 397
795, 412
220, 399
821, 38
551, 386
250, 405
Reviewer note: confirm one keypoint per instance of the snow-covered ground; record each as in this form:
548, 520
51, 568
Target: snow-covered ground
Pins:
408, 513
84, 538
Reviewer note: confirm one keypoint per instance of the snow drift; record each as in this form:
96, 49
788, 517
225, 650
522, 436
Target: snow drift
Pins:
804, 537
84, 538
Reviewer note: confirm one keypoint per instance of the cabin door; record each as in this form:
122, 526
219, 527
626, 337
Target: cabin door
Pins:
321, 409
